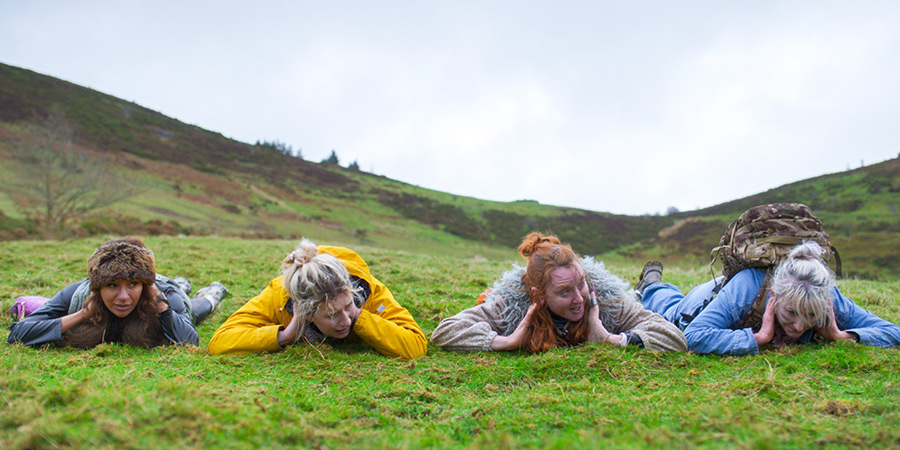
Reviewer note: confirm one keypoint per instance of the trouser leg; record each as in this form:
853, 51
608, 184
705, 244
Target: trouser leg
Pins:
200, 309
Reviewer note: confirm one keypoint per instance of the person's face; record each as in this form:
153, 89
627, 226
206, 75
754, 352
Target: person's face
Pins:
121, 297
567, 295
792, 322
335, 317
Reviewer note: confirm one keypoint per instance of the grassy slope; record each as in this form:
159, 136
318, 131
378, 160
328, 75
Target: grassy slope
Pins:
349, 396
198, 181
859, 209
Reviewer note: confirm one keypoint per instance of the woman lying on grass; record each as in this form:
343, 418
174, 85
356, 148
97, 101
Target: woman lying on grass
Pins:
324, 292
803, 303
123, 300
559, 300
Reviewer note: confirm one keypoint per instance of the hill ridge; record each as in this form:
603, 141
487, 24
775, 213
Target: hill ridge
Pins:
200, 182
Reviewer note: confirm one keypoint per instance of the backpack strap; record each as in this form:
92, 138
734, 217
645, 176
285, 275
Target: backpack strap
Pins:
688, 318
837, 261
753, 318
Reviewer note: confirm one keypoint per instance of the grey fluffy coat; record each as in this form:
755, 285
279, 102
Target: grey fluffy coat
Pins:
510, 286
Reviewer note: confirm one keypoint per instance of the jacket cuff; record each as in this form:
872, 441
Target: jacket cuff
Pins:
363, 327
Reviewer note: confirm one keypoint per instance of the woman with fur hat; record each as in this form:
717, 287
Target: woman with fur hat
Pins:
557, 300
123, 300
324, 293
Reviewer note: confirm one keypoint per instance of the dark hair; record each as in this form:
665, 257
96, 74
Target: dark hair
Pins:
141, 328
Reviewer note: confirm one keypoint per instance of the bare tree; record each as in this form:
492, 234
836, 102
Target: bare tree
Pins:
61, 182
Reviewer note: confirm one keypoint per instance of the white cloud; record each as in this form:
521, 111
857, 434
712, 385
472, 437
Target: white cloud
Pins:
607, 106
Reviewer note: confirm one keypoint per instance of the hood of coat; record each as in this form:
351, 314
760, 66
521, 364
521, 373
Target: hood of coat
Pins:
610, 290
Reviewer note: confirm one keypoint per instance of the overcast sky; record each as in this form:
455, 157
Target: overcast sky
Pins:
627, 106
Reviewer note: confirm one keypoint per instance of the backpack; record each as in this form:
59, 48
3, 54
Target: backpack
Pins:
762, 237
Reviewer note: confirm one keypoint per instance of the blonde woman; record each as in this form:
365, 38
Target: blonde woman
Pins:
324, 293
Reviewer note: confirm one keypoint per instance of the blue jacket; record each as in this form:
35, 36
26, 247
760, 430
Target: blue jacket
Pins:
711, 330
44, 325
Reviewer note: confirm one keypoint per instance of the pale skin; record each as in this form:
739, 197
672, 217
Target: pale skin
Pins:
119, 297
783, 326
567, 296
334, 318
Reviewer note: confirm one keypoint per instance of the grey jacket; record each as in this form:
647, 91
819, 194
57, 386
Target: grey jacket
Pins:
474, 329
44, 325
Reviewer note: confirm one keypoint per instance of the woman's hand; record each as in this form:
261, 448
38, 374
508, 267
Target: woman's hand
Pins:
514, 340
354, 313
90, 306
289, 334
87, 311
767, 330
831, 331
162, 304
596, 331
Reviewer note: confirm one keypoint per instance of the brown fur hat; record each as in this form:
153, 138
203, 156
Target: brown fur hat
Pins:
120, 260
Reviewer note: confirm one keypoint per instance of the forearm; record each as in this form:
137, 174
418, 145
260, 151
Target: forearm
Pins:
245, 339
389, 337
503, 343
70, 321
471, 330
35, 332
703, 340
654, 331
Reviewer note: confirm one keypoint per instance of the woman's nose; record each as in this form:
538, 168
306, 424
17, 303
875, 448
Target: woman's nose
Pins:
122, 293
579, 296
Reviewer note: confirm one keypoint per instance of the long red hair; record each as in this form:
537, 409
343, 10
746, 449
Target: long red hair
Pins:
545, 254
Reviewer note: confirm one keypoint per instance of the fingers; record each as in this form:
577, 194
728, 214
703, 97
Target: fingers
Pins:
529, 314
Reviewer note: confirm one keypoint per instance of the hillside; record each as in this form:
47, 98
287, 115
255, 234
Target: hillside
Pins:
198, 182
187, 180
859, 209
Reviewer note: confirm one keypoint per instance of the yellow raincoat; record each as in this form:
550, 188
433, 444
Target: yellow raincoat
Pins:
382, 322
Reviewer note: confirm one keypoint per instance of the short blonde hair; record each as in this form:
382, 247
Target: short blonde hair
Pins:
312, 278
805, 283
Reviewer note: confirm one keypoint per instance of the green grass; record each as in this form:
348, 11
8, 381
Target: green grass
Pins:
837, 395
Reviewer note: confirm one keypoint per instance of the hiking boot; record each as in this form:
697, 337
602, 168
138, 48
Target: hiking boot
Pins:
184, 284
215, 292
652, 273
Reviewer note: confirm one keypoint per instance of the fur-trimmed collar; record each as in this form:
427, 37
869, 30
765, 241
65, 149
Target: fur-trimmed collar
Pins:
609, 289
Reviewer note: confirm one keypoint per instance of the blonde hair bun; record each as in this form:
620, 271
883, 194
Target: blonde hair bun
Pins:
306, 250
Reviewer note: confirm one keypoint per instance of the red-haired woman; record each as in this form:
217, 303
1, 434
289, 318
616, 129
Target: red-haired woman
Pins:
557, 300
